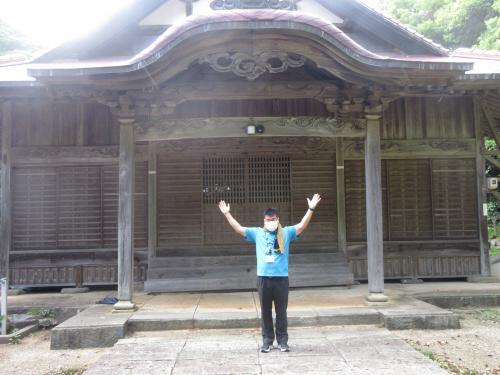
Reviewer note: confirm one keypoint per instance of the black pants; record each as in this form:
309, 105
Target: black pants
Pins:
273, 289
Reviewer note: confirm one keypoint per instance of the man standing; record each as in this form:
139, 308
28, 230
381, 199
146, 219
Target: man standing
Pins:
271, 247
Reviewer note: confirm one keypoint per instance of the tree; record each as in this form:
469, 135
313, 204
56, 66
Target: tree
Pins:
490, 38
453, 23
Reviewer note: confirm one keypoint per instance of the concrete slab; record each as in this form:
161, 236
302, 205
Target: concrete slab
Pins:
226, 302
6, 339
495, 269
96, 326
314, 350
411, 313
175, 302
451, 300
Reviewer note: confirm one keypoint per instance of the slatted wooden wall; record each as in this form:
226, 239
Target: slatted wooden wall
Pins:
72, 207
409, 199
310, 175
34, 208
46, 123
192, 181
422, 199
454, 198
273, 107
100, 126
179, 201
420, 118
355, 188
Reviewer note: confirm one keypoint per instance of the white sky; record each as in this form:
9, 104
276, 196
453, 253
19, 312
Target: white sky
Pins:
50, 22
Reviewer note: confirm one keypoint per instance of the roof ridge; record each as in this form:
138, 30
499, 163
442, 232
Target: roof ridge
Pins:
476, 52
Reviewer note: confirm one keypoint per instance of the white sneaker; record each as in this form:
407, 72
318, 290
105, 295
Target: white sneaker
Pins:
283, 348
265, 348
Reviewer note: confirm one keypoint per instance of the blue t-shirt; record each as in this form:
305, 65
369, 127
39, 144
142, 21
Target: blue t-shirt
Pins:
264, 245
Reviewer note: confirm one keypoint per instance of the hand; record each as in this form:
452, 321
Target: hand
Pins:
314, 201
223, 207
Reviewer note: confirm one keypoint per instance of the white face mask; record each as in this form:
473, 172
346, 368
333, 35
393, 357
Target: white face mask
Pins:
271, 226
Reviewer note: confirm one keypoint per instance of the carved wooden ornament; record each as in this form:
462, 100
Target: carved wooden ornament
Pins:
252, 66
253, 4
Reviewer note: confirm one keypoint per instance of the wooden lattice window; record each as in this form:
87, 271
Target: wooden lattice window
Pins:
269, 179
72, 207
249, 185
224, 178
409, 195
454, 198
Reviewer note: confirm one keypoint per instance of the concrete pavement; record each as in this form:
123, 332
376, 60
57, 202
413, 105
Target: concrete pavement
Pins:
350, 350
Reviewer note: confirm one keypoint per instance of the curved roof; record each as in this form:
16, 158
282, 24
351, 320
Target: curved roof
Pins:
285, 21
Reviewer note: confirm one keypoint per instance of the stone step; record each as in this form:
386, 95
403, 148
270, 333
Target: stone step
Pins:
245, 319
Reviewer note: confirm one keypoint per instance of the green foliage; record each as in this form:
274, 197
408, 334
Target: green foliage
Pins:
453, 23
14, 340
446, 363
490, 38
41, 312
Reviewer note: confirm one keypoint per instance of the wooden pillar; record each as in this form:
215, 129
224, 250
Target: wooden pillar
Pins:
481, 193
126, 216
5, 183
5, 208
340, 177
374, 221
152, 231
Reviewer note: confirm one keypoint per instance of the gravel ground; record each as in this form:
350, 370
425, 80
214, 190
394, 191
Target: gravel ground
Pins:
474, 349
32, 356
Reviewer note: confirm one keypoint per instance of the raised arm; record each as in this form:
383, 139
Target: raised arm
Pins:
224, 208
312, 203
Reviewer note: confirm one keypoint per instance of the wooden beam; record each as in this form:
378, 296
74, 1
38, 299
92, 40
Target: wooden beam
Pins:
374, 219
126, 216
237, 90
490, 121
71, 154
494, 162
152, 201
237, 127
340, 178
482, 191
491, 153
5, 184
411, 149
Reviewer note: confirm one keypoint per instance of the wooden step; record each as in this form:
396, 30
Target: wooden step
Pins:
239, 283
211, 273
201, 261
236, 270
